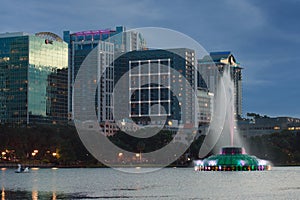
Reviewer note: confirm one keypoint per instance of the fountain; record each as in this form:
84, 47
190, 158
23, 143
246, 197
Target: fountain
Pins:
233, 157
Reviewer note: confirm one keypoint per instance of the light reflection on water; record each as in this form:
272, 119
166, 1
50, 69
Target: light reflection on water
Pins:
3, 194
280, 183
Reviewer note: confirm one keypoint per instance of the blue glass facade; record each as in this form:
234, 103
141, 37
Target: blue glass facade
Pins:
14, 84
33, 79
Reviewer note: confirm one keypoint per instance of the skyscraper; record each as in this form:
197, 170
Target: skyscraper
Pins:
109, 43
160, 83
33, 74
211, 68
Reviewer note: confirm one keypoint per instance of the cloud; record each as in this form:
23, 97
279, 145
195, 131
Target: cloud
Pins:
34, 16
263, 35
257, 82
246, 14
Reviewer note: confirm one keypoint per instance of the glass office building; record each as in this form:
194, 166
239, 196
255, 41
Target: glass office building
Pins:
33, 78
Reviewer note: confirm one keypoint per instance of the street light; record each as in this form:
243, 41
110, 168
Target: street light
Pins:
139, 155
3, 154
123, 123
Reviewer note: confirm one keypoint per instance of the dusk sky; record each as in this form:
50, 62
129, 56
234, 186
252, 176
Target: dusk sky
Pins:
264, 36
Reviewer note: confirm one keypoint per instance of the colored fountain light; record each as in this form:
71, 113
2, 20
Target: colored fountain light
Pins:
232, 159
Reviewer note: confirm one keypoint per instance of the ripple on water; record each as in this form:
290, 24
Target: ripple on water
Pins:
19, 194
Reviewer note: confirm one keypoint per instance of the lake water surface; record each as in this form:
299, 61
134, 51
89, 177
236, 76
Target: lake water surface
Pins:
168, 183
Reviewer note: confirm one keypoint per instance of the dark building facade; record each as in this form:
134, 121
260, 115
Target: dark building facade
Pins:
261, 125
161, 83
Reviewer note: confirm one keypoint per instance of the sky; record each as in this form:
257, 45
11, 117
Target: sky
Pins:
264, 36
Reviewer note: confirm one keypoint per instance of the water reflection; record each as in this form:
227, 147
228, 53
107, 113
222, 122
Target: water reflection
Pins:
180, 183
35, 195
53, 195
35, 184
54, 183
3, 194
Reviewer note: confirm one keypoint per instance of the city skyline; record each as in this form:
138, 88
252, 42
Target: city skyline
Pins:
262, 35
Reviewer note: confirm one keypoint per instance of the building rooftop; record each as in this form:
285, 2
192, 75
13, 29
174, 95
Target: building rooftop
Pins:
94, 32
13, 34
118, 29
220, 57
217, 56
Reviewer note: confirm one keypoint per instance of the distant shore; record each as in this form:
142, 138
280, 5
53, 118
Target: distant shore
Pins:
60, 146
9, 166
52, 165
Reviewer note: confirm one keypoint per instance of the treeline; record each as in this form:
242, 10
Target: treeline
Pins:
281, 148
61, 145
55, 144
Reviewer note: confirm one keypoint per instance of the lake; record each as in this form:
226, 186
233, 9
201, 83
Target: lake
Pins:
168, 183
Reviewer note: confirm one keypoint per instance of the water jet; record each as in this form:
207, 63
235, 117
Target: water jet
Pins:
233, 157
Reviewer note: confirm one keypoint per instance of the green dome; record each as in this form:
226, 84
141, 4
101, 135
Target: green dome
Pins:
232, 159
229, 160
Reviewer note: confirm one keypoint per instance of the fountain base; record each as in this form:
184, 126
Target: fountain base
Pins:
232, 159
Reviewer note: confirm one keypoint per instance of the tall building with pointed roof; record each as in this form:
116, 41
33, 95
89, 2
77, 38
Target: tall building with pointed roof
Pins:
211, 67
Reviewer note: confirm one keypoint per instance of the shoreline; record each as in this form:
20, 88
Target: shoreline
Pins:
52, 165
49, 166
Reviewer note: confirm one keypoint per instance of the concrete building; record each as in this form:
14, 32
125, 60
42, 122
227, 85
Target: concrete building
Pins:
109, 42
205, 103
33, 78
266, 125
